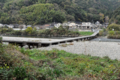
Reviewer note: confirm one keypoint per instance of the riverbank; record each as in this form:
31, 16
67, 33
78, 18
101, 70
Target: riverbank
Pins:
94, 48
25, 64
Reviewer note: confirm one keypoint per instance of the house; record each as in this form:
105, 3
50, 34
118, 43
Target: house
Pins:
16, 26
10, 26
87, 25
37, 26
98, 24
65, 24
50, 27
57, 25
45, 26
28, 26
106, 25
1, 25
22, 26
72, 25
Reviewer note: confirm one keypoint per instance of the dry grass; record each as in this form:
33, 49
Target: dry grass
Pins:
64, 45
71, 44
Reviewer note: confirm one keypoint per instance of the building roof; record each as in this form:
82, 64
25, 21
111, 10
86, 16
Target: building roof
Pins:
1, 24
97, 22
86, 24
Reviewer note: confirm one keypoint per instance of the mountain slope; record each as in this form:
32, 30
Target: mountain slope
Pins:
33, 12
116, 16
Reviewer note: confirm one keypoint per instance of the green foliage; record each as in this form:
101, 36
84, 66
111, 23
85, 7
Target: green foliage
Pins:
115, 16
42, 33
114, 34
114, 31
5, 30
86, 33
56, 64
41, 13
67, 64
1, 46
20, 73
116, 27
46, 11
111, 32
101, 33
29, 30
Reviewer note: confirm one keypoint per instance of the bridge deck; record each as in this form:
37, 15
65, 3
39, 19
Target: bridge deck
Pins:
43, 40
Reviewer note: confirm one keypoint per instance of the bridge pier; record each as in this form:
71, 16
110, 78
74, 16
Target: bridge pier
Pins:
51, 44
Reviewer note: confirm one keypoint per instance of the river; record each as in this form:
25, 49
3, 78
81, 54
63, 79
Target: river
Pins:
105, 39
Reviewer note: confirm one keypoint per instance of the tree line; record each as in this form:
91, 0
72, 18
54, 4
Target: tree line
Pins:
47, 11
55, 32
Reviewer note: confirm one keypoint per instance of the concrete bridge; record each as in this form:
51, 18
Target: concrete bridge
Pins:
40, 42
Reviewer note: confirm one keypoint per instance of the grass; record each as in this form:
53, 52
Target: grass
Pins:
85, 33
60, 65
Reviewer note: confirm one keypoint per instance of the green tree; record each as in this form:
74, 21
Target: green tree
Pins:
29, 30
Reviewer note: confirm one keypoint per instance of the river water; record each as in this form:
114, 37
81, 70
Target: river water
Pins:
105, 39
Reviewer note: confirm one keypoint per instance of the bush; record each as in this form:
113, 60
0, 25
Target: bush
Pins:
116, 27
111, 32
117, 32
114, 34
20, 73
101, 33
1, 46
29, 30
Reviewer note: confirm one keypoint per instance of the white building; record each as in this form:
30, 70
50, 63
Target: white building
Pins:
65, 24
29, 25
98, 24
57, 25
1, 25
72, 25
10, 26
86, 25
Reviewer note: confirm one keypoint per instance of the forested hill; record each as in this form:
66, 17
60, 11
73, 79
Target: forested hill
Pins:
46, 11
116, 16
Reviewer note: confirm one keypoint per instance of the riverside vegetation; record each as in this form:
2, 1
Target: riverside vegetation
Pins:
112, 31
24, 64
34, 32
55, 32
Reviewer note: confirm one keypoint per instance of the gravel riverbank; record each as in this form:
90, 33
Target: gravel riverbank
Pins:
94, 48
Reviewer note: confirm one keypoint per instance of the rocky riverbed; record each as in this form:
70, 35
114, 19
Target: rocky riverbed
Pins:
94, 48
